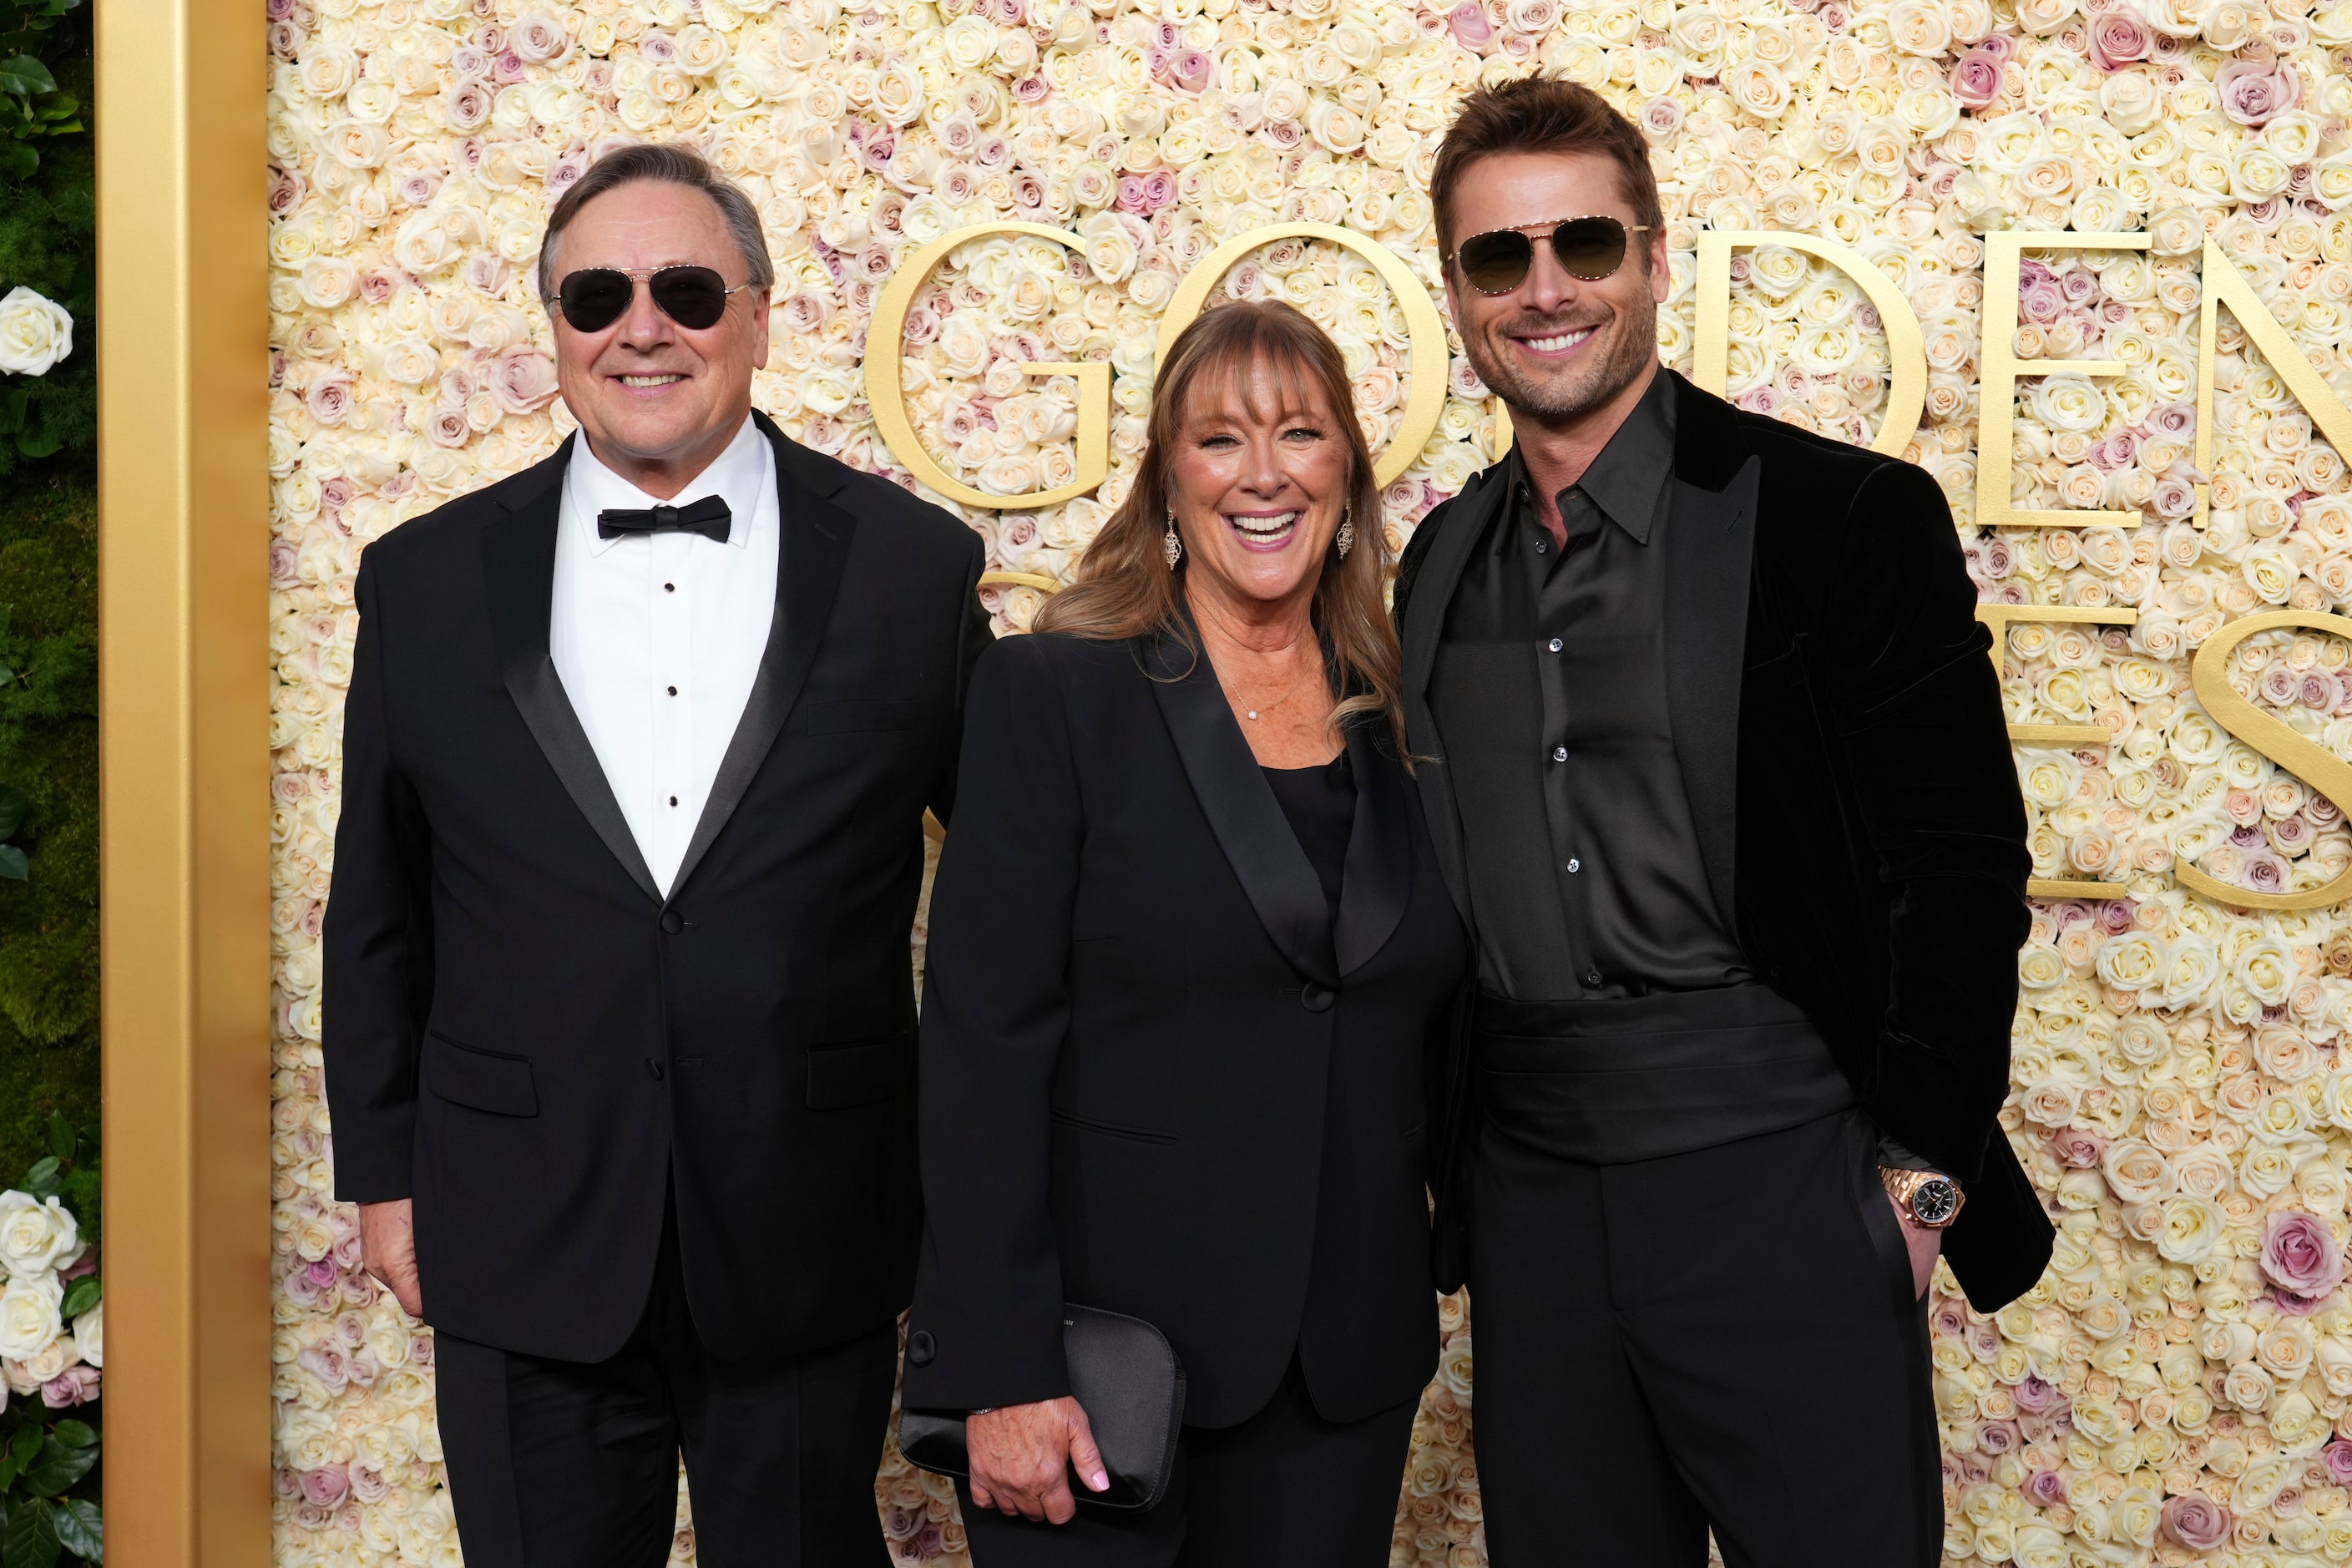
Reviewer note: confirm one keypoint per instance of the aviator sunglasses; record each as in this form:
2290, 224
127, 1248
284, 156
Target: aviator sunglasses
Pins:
1592, 248
595, 297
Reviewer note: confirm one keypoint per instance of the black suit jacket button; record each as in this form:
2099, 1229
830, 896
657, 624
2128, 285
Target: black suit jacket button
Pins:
672, 921
1318, 998
919, 1349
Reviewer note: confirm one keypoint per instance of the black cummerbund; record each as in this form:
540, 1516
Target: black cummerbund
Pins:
1612, 1079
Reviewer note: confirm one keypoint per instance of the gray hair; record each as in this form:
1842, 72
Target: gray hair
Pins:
680, 166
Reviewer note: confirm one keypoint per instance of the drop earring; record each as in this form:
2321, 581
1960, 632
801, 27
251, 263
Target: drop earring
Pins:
1345, 538
1169, 546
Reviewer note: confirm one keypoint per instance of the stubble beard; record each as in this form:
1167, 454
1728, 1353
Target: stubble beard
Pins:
1627, 342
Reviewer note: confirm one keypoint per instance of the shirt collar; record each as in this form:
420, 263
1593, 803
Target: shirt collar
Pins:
1628, 481
739, 475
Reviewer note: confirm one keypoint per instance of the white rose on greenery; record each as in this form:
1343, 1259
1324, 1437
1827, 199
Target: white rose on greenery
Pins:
29, 1323
35, 1237
34, 333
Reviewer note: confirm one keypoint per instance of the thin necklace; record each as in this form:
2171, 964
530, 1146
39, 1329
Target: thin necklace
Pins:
1252, 712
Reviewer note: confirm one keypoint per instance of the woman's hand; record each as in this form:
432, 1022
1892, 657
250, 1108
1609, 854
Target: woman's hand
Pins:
1021, 1456
1923, 1245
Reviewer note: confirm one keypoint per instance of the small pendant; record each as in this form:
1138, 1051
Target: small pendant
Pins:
1252, 712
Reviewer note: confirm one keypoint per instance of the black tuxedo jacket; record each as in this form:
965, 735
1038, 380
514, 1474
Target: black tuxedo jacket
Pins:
1158, 1079
527, 1040
1843, 744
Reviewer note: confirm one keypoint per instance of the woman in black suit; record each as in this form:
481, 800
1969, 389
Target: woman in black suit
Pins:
1190, 958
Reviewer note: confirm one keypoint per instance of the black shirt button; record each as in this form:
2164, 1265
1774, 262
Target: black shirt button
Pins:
1555, 645
1543, 546
1318, 998
1574, 866
1559, 753
653, 1068
670, 587
1593, 978
921, 1351
672, 921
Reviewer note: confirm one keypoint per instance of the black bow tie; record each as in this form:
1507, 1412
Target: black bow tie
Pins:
708, 517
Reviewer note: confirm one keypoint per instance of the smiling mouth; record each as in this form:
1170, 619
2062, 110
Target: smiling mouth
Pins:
663, 379
1558, 342
1268, 531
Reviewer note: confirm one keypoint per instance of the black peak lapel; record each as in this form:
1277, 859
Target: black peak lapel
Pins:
1379, 875
518, 568
1441, 573
810, 556
1711, 549
1242, 811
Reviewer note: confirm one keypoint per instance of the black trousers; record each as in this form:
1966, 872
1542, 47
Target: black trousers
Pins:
1285, 1486
557, 1464
1724, 1339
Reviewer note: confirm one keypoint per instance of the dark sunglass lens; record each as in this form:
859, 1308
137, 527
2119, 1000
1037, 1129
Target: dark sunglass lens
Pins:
1590, 247
1497, 263
693, 297
594, 297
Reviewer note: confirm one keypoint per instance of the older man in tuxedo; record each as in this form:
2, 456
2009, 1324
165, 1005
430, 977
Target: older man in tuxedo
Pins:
620, 1021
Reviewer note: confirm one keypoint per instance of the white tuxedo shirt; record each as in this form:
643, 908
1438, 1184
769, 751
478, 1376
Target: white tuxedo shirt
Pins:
657, 638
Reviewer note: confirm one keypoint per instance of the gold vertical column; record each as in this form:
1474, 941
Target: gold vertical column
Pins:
183, 670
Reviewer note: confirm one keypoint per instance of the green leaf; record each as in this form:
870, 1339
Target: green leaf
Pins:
18, 159
14, 866
13, 803
26, 1445
75, 1434
61, 1131
42, 1180
81, 1530
29, 1539
25, 76
57, 1467
38, 446
81, 1297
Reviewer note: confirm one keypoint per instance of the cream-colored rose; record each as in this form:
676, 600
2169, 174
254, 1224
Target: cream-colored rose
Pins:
28, 1316
34, 333
35, 1237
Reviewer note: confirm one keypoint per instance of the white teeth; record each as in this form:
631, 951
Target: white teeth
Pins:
650, 380
1264, 527
1554, 344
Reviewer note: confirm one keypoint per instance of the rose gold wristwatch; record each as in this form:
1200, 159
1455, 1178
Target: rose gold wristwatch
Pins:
1932, 1199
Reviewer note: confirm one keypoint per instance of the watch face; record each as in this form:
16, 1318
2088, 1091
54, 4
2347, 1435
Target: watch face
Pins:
1935, 1201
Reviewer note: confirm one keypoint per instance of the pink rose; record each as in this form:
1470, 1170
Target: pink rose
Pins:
75, 1385
2197, 1521
2253, 90
326, 1485
2300, 1255
2076, 1148
2337, 1457
2119, 38
1470, 28
1976, 77
523, 380
1193, 70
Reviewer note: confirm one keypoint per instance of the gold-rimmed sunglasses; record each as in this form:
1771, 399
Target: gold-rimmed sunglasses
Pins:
1591, 247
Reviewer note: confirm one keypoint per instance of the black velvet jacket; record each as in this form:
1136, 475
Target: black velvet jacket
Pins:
1848, 767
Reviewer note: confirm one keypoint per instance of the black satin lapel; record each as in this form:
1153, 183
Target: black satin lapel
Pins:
810, 556
1440, 574
519, 565
1242, 813
1710, 544
1379, 875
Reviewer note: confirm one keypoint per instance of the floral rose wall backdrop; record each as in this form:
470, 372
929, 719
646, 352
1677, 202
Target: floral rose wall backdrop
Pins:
2173, 1389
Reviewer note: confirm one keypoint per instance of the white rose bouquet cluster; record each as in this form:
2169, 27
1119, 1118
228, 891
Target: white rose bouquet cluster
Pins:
2172, 1391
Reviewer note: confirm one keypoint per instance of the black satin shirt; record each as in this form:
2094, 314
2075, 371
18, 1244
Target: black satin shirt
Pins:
1550, 700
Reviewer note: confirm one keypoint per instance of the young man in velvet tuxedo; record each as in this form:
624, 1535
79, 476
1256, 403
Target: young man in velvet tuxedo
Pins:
1717, 769
619, 1012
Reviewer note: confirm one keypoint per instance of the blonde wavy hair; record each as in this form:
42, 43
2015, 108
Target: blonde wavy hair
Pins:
1124, 588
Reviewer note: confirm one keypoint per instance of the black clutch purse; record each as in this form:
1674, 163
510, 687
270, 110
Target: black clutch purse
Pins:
1125, 1376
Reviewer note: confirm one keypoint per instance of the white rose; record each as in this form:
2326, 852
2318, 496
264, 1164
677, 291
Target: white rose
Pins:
28, 1317
34, 333
90, 1335
34, 1236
